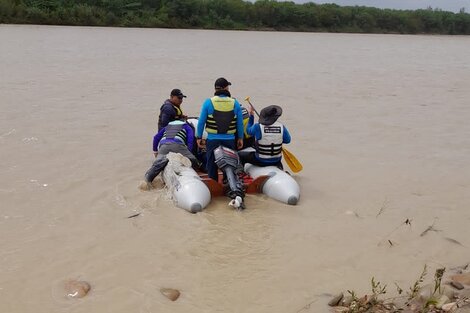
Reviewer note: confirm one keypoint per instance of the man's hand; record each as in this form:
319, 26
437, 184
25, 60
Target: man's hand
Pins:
239, 143
155, 153
201, 143
250, 110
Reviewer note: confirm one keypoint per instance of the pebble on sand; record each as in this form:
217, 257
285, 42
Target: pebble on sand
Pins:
336, 299
462, 278
457, 285
449, 307
170, 293
76, 288
441, 301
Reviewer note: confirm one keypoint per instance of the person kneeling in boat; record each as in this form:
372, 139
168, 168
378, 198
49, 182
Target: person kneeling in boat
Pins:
269, 136
177, 137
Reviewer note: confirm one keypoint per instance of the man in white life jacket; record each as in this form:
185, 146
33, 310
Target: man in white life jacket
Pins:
269, 136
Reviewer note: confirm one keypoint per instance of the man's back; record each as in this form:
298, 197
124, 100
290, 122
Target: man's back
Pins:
167, 114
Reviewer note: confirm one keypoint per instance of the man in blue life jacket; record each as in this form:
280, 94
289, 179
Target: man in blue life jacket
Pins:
177, 137
269, 136
222, 118
171, 109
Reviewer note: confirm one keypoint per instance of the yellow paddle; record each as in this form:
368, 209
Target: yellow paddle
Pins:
291, 160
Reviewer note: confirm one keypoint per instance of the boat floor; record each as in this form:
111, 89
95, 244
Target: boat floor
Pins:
218, 188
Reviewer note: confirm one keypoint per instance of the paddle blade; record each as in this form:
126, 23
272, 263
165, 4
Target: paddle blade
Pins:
291, 161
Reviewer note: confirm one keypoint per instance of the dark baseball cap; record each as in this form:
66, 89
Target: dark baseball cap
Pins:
178, 93
222, 83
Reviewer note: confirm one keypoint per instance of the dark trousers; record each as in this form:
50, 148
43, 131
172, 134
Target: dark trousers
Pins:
211, 144
248, 142
161, 161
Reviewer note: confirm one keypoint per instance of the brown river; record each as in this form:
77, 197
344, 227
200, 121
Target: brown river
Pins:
381, 124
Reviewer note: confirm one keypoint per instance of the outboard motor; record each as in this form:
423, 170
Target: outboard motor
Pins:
229, 162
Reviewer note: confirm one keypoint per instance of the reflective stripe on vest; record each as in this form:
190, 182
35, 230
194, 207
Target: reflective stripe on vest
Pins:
270, 144
223, 120
174, 130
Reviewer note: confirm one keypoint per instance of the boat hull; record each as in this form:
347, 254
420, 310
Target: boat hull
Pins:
279, 186
188, 190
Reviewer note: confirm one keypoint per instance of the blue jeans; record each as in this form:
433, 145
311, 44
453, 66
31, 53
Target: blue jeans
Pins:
211, 144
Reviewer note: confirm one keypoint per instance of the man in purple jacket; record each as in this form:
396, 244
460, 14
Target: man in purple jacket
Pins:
177, 137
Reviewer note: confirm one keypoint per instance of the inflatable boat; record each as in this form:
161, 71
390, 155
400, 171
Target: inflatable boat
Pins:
279, 185
269, 180
192, 191
188, 190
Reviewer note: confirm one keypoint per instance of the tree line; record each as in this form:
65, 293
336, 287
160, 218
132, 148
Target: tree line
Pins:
234, 14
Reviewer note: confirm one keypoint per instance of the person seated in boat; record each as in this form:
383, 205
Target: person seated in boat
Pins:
171, 109
199, 153
221, 116
248, 140
177, 137
269, 135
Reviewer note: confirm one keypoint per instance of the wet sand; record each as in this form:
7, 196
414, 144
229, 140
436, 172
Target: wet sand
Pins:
380, 123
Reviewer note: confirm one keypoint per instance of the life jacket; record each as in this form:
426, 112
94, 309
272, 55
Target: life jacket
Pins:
223, 120
270, 144
174, 132
246, 118
178, 113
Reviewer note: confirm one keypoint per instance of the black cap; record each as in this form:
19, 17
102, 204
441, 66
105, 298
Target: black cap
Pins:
221, 83
178, 93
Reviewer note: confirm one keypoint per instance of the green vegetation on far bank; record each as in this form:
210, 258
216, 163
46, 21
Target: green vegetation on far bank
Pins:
233, 14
